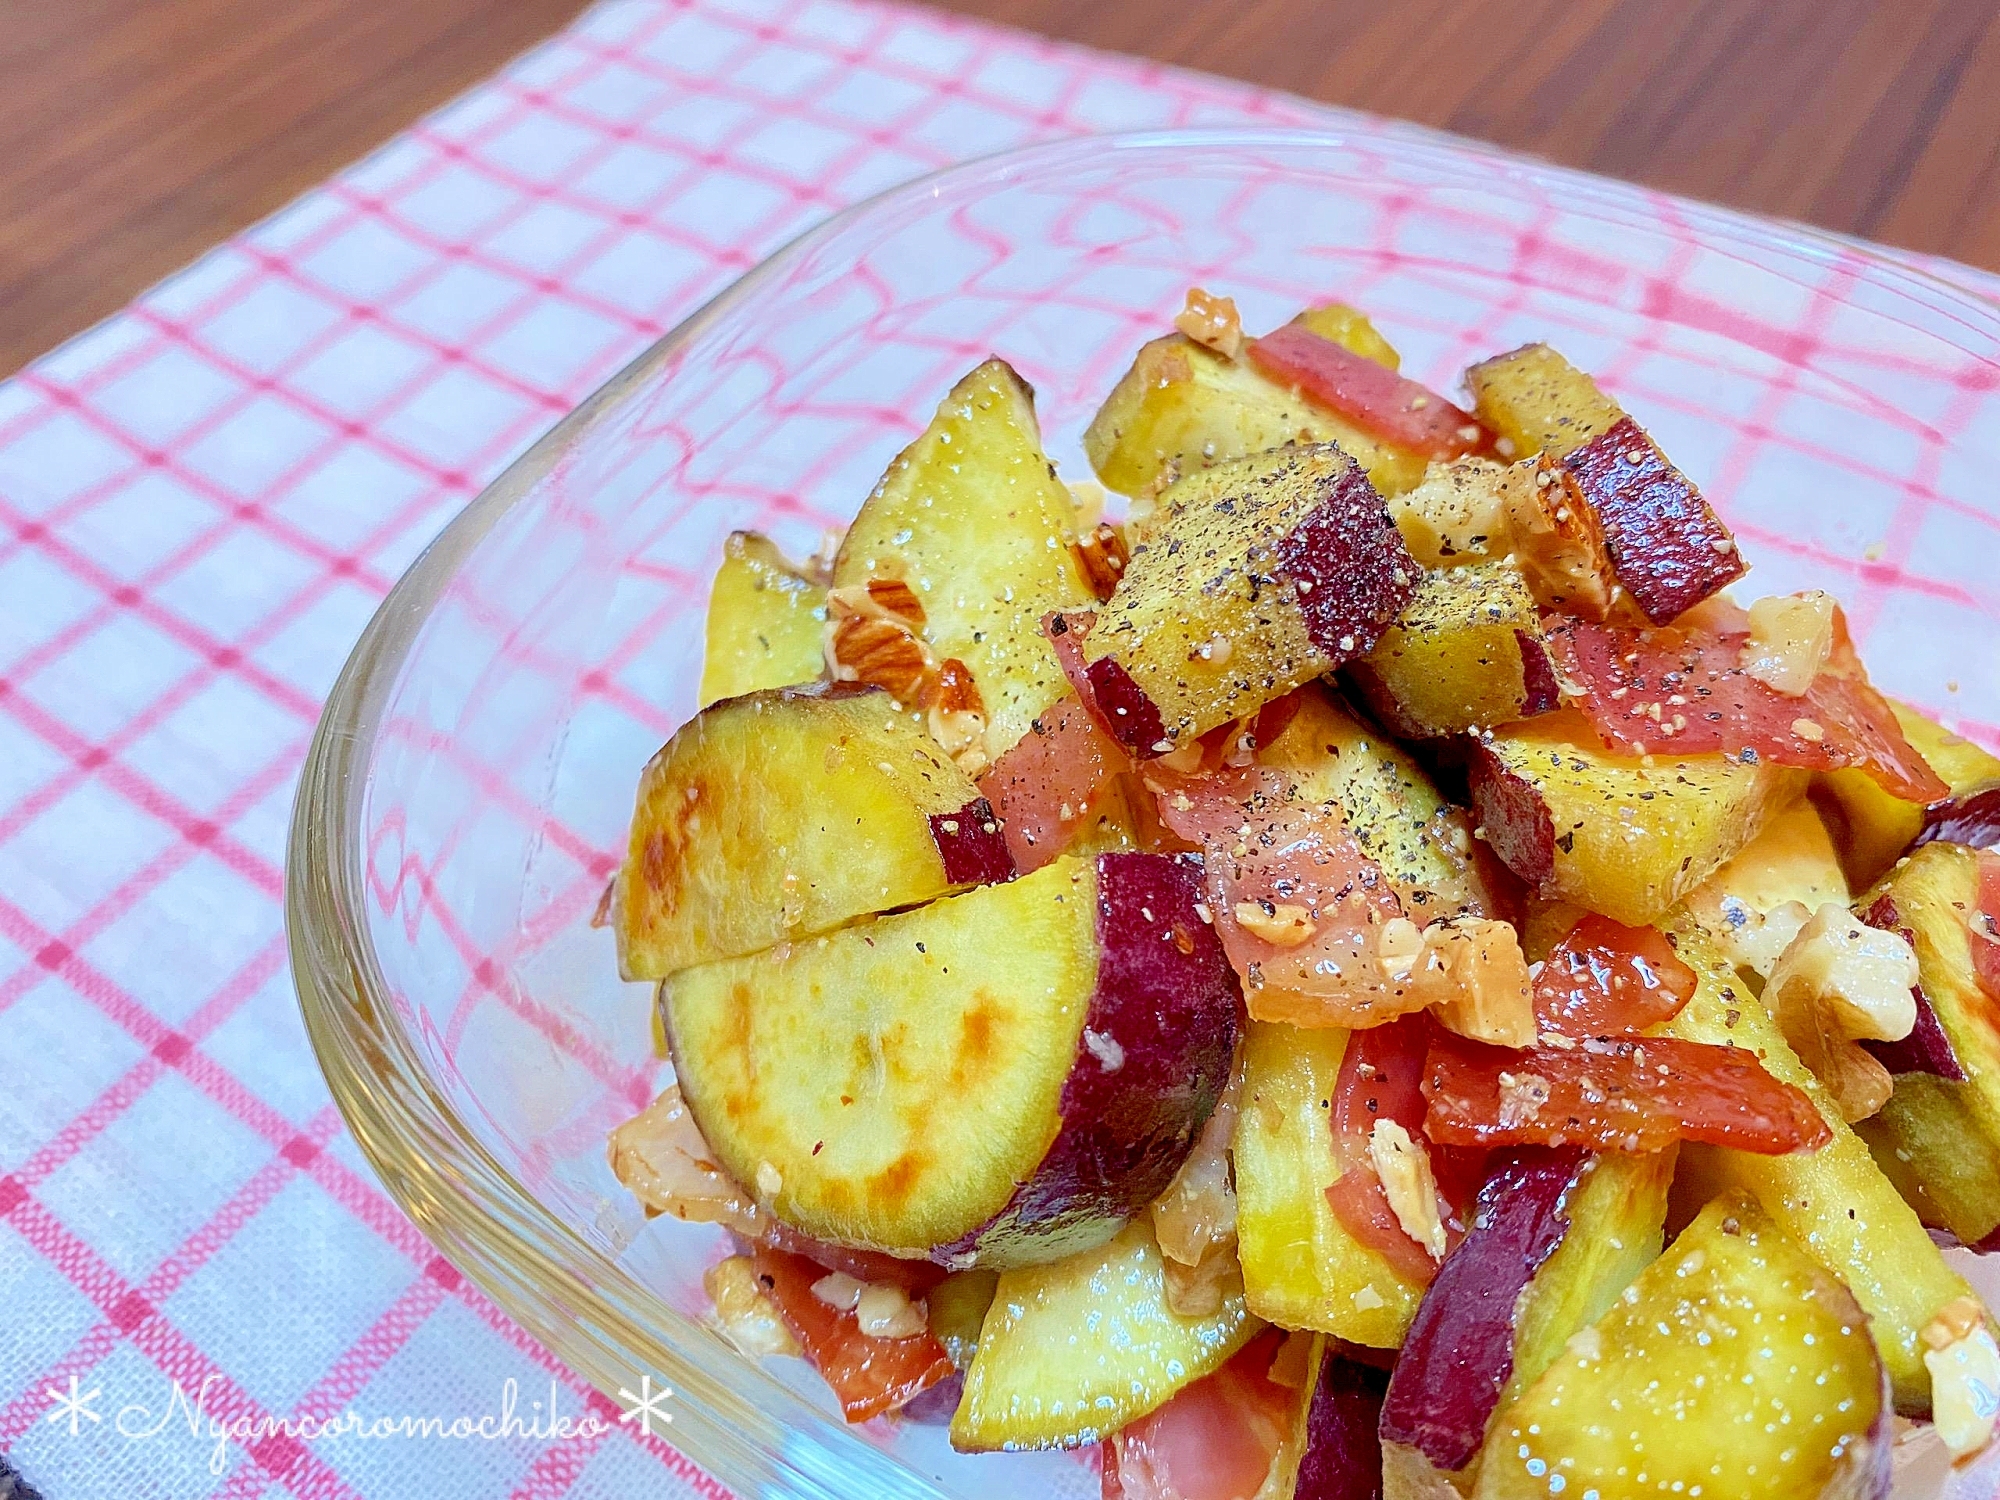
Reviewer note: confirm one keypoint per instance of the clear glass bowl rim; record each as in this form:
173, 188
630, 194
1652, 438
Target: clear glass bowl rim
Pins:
730, 1418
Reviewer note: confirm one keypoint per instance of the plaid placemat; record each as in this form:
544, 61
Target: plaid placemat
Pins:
203, 499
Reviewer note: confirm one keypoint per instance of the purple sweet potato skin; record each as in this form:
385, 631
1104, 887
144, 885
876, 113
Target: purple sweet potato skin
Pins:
1459, 1353
1159, 1040
1971, 819
1343, 1457
1123, 708
971, 845
1668, 547
1348, 565
1516, 820
1541, 693
1926, 1049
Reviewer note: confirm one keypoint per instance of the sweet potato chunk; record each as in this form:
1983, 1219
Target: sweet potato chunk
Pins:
1464, 654
787, 812
1557, 1235
765, 621
1872, 826
973, 519
1833, 1201
1264, 574
1181, 408
1733, 1366
1076, 1349
1610, 832
1938, 1137
1302, 1267
997, 1078
1669, 550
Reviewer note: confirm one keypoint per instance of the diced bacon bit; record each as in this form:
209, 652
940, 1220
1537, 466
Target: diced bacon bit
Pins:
1212, 322
1617, 1095
1065, 761
1218, 1438
1404, 1167
1101, 556
661, 1158
1522, 1096
1626, 682
870, 1375
1372, 396
1838, 984
1965, 1377
748, 1317
1791, 636
1607, 979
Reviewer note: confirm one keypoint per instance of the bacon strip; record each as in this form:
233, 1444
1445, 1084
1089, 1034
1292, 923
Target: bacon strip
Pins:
1684, 692
1372, 396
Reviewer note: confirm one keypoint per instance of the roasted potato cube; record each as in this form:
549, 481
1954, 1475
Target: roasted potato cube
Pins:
1871, 826
1400, 820
972, 517
1301, 1268
1182, 407
787, 812
1669, 550
1465, 653
1938, 1138
1263, 574
766, 618
1616, 834
1537, 401
1732, 1358
1832, 1201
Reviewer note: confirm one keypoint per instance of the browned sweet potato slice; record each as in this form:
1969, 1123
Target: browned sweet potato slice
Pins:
787, 812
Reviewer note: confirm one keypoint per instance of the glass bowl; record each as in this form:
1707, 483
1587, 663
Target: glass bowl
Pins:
470, 781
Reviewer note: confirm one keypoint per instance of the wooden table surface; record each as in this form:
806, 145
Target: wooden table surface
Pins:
134, 133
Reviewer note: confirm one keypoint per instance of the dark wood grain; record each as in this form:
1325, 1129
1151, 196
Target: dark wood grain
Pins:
135, 133
1877, 117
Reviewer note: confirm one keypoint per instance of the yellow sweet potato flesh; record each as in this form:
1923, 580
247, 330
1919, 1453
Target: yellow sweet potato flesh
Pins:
1612, 833
1074, 1350
750, 1037
1734, 1366
765, 620
1301, 1268
1452, 661
1202, 622
1182, 407
1871, 826
778, 815
972, 517
1537, 401
1400, 820
1942, 1136
1617, 1215
1351, 329
1834, 1202
1793, 859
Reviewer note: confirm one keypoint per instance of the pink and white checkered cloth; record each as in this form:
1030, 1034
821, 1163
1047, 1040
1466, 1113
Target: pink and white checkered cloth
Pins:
201, 501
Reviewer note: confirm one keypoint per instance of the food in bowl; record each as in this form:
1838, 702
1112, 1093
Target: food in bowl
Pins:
1368, 973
